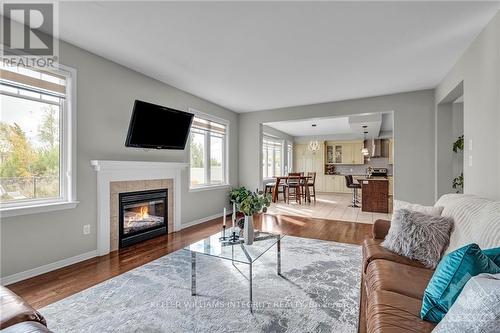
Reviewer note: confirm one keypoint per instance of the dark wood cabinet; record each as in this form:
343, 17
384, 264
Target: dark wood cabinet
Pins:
375, 195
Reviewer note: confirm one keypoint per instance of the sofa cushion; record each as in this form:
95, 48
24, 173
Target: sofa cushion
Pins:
16, 310
429, 210
419, 236
477, 220
450, 276
402, 279
389, 312
372, 250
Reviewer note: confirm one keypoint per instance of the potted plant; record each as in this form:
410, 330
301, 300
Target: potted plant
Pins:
254, 203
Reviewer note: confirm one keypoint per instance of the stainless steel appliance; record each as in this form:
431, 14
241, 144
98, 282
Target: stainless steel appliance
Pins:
379, 172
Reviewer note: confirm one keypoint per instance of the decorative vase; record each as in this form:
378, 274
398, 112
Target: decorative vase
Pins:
248, 232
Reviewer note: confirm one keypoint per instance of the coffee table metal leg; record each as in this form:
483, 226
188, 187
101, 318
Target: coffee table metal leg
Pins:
251, 292
278, 251
193, 273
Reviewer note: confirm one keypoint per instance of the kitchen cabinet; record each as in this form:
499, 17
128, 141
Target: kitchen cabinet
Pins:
357, 157
344, 152
329, 183
307, 161
375, 195
391, 185
347, 154
391, 151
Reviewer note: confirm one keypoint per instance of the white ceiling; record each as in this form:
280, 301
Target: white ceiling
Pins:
351, 126
324, 126
249, 56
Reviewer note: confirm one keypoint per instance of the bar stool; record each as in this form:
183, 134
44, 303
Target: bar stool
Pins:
349, 182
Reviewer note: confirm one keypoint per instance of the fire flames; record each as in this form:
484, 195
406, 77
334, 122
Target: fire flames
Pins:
144, 214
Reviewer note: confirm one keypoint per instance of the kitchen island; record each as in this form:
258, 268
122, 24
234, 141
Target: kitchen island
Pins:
375, 197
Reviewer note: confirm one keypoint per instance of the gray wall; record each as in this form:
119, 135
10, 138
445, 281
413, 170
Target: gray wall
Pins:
444, 153
105, 95
479, 70
413, 135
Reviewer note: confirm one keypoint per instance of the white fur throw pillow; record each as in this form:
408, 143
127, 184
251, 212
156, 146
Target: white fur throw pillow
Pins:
430, 210
419, 236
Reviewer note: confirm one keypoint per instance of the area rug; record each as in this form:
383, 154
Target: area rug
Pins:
317, 292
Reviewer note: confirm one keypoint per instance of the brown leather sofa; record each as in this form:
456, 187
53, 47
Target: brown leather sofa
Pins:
393, 288
17, 316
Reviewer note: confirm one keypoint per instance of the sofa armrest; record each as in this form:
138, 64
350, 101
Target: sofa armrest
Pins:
381, 228
16, 310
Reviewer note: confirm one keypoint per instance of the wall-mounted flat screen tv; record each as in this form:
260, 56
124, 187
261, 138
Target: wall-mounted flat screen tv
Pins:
158, 127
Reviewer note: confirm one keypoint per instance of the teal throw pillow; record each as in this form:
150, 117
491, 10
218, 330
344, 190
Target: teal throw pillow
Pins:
449, 278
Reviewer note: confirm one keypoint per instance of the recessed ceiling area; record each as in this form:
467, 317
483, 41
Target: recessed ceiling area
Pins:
350, 127
249, 56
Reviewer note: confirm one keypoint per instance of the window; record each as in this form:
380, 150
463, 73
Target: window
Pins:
289, 153
36, 139
272, 151
208, 153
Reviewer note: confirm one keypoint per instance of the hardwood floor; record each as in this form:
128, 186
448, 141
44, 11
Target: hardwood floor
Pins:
51, 287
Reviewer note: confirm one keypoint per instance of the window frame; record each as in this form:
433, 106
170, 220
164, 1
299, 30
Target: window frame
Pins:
225, 155
282, 144
67, 159
289, 155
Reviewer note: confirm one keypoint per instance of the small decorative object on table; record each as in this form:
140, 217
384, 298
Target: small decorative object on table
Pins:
255, 203
223, 233
233, 238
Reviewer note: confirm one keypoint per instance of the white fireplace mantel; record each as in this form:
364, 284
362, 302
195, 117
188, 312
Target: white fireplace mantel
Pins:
111, 171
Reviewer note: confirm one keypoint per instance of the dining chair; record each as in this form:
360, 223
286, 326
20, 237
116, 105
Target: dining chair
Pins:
269, 188
311, 182
293, 182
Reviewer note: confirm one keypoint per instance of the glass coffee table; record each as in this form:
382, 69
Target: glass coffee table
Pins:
237, 253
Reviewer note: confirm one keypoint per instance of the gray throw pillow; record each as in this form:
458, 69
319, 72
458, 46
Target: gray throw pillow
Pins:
419, 236
477, 308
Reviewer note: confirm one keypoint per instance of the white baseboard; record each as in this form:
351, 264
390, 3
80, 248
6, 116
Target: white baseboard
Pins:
205, 219
47, 268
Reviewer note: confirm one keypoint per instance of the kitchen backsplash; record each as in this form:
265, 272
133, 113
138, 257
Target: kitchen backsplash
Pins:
381, 162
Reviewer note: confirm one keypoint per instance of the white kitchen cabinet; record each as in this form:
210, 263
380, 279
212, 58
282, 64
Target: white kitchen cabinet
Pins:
391, 151
306, 161
357, 156
329, 183
344, 152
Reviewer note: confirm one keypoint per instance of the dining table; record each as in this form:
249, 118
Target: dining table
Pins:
303, 180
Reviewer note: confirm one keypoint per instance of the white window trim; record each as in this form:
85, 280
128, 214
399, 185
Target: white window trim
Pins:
283, 146
289, 152
226, 184
68, 163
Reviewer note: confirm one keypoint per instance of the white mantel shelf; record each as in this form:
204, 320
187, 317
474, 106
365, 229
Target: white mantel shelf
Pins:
111, 171
105, 165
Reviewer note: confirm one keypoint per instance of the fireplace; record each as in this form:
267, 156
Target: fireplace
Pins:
143, 215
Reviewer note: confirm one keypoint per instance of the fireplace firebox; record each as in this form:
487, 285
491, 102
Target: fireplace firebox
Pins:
143, 215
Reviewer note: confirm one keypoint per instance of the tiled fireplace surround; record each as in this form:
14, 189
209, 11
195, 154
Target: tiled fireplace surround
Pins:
118, 187
114, 177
